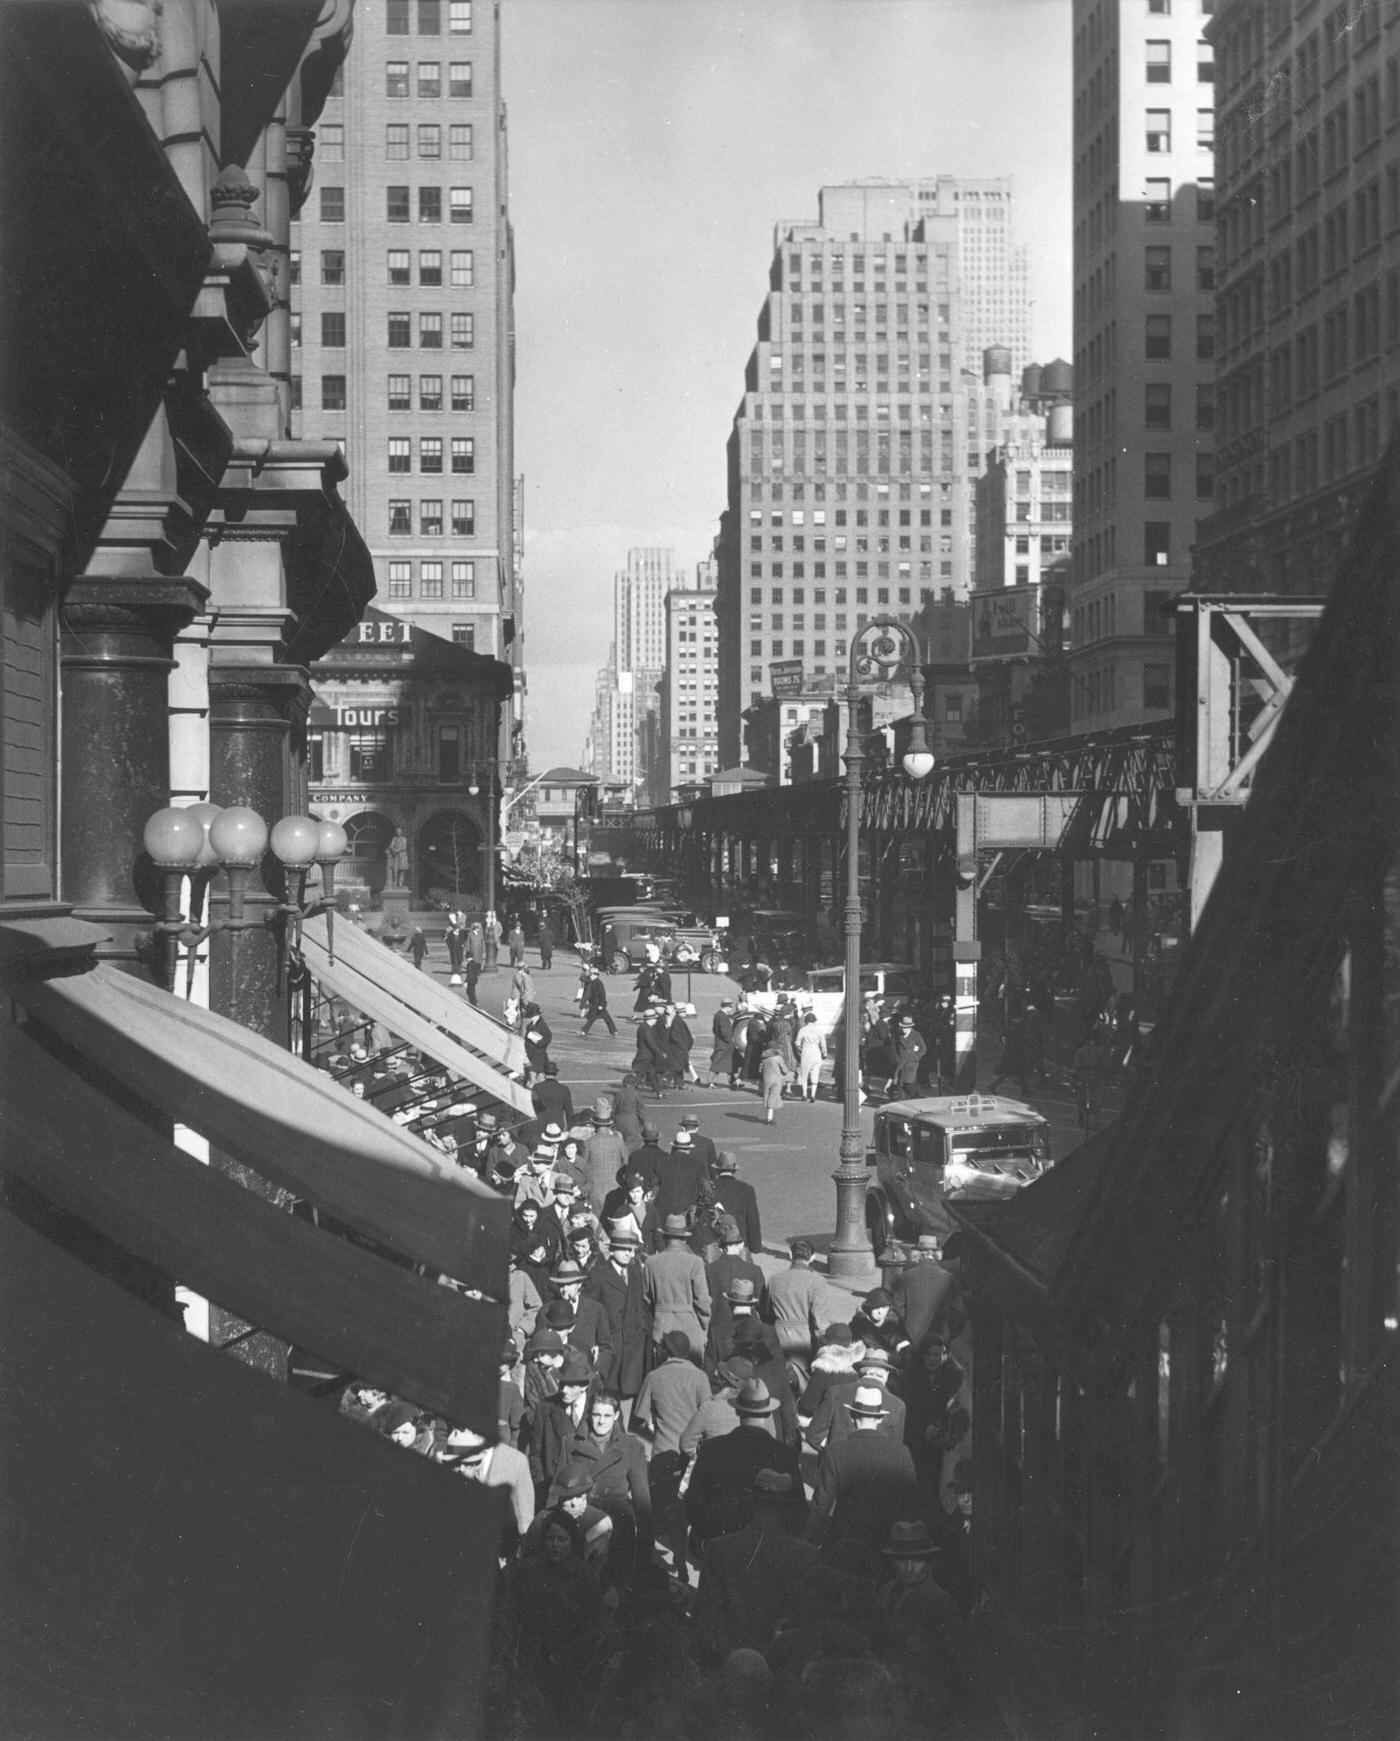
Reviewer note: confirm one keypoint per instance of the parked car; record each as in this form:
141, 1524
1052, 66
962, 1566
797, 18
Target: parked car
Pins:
965, 1147
683, 940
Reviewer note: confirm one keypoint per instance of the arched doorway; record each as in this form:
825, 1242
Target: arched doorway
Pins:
448, 862
366, 863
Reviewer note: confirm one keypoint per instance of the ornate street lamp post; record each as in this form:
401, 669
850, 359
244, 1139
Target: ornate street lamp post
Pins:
878, 648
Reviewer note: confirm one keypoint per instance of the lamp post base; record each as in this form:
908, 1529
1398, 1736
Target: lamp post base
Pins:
850, 1256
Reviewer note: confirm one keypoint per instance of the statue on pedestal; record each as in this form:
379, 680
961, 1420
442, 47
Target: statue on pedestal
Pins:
397, 861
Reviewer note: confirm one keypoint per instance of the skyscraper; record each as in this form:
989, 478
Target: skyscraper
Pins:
405, 260
689, 696
1308, 255
849, 457
626, 730
1144, 344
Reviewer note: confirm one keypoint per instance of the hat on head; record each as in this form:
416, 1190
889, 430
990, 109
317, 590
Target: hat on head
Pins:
465, 1441
683, 1139
726, 1003
727, 1161
544, 1342
567, 1273
690, 1122
575, 1484
754, 1399
559, 1315
840, 1334
879, 1297
868, 1402
624, 1236
577, 1368
803, 1250
650, 1133
727, 1230
677, 1344
676, 1227
773, 1482
741, 1292
928, 1242
909, 1541
735, 1371
602, 1110
876, 1357
486, 1121
580, 1221
565, 1185
552, 1133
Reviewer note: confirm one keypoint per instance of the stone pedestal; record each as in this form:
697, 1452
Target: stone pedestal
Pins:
394, 905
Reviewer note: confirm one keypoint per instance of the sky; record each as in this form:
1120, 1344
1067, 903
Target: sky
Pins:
653, 145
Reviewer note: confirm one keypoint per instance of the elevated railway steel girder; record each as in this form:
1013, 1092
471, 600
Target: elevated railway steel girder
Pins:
1126, 781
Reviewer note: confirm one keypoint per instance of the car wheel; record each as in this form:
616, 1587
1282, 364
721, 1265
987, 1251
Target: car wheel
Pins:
620, 963
878, 1224
707, 961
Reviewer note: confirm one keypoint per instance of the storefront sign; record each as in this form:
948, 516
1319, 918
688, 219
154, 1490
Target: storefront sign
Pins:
785, 677
349, 717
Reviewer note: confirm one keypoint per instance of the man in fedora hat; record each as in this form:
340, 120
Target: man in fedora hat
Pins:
717, 1416
679, 1175
736, 1318
603, 1153
544, 1355
559, 1423
619, 1288
732, 1263
739, 1199
731, 1463
671, 1395
797, 1302
587, 1327
648, 1155
676, 1289
921, 1633
864, 1485
924, 1291
571, 1496
832, 1420
755, 1573
469, 1454
552, 1100
701, 1144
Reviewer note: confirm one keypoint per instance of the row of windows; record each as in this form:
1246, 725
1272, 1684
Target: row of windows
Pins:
1158, 62
427, 14
461, 330
462, 576
429, 136
430, 454
841, 568
428, 84
461, 518
399, 205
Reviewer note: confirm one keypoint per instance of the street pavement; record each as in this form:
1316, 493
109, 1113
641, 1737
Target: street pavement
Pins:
790, 1162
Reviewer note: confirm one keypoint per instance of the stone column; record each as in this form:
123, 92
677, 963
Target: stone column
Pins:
115, 660
253, 713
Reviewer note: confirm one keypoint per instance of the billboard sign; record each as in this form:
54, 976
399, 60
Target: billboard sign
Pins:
785, 676
1006, 623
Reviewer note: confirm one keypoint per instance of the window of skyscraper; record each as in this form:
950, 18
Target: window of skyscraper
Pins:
464, 392
464, 580
396, 17
463, 519
460, 203
430, 392
330, 142
430, 517
463, 269
1157, 475
400, 454
400, 518
1158, 269
1159, 63
430, 580
430, 141
332, 205
429, 79
396, 78
332, 392
400, 393
430, 453
400, 580
430, 17
430, 205
398, 266
430, 266
459, 17
332, 266
459, 78
1157, 340
430, 332
400, 330
463, 331
396, 204
463, 453
1159, 129
459, 143
333, 330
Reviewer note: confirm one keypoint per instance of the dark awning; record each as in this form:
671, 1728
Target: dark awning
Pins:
372, 1317
277, 1115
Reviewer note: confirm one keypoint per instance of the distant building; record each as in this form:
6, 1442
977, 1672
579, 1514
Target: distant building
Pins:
850, 452
558, 803
403, 326
689, 683
626, 731
401, 740
1308, 291
1144, 345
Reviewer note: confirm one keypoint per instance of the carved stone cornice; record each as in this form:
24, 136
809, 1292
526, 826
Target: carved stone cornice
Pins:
127, 621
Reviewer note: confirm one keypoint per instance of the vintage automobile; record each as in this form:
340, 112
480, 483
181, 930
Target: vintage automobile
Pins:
966, 1147
682, 940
